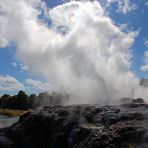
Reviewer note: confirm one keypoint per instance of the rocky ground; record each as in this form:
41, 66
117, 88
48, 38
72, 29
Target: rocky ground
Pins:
80, 126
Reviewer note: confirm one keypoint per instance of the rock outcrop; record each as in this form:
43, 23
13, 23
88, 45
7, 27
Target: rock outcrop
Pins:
80, 126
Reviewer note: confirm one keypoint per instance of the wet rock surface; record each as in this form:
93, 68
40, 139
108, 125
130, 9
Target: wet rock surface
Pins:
80, 126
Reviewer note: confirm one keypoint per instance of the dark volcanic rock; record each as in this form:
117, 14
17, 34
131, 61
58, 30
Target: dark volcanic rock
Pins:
80, 126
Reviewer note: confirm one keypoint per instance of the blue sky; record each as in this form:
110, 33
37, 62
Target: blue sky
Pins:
136, 19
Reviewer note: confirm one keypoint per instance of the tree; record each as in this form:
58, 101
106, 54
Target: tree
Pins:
22, 95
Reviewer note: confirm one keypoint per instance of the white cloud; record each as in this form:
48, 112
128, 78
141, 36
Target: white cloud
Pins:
9, 83
82, 52
146, 3
146, 43
21, 66
124, 6
24, 67
39, 85
14, 64
123, 27
145, 66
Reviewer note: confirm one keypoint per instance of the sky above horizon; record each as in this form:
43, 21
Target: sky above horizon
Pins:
17, 71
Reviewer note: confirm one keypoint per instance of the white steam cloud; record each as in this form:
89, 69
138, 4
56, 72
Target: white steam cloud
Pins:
82, 51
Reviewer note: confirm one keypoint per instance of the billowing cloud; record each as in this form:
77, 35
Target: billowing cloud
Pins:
39, 85
82, 50
9, 83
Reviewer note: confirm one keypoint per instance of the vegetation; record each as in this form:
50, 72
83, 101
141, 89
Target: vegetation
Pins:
22, 101
12, 112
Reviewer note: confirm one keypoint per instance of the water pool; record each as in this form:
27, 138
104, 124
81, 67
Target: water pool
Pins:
6, 121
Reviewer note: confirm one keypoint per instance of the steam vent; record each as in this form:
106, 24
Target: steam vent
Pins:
80, 126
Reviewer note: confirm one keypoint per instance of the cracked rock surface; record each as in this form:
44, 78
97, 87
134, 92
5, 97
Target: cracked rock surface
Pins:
80, 126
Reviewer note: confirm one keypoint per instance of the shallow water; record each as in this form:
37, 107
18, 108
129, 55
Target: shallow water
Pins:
6, 121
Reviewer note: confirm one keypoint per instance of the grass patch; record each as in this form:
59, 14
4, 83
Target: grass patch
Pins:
13, 112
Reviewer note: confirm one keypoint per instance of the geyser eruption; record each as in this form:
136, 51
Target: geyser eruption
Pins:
76, 46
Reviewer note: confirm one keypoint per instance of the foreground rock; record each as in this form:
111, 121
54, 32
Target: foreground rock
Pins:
80, 126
